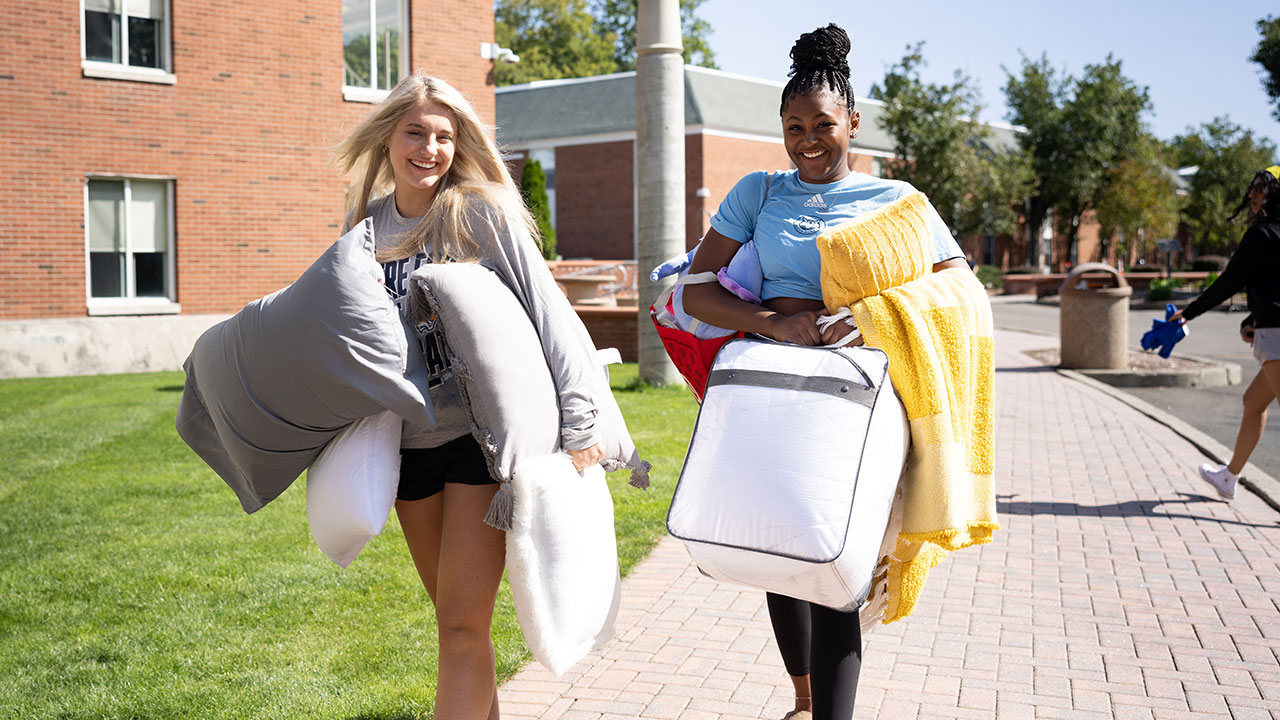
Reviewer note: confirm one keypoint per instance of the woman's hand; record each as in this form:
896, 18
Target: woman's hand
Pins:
1177, 315
836, 331
1246, 333
800, 328
586, 457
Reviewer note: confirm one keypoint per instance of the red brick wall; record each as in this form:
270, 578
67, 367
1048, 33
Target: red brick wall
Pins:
595, 201
612, 327
726, 160
247, 133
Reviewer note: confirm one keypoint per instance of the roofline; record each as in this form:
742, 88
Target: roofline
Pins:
734, 76
539, 84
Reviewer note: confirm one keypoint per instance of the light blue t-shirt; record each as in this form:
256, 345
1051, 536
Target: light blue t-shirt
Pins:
785, 225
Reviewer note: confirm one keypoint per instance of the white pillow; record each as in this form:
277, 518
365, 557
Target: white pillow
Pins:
562, 560
351, 486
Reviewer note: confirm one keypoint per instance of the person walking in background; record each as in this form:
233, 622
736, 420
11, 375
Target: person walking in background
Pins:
1254, 268
449, 198
783, 213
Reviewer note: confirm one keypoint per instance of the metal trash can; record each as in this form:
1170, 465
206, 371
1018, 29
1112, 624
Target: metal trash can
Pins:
1093, 323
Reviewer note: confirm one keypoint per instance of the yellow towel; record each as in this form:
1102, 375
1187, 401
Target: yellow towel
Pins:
936, 329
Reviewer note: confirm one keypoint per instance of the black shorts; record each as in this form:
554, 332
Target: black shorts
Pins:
424, 471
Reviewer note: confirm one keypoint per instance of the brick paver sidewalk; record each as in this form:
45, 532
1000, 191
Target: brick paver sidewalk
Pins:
1117, 589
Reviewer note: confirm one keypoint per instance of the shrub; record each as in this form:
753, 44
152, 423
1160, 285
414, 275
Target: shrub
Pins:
1161, 289
1209, 279
1212, 263
533, 185
990, 276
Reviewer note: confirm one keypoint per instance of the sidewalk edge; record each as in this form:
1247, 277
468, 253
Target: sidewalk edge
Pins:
1262, 484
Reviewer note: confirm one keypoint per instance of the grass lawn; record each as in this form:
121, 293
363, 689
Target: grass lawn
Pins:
133, 586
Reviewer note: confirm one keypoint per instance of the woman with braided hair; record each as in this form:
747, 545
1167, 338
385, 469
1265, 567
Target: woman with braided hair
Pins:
1255, 268
783, 213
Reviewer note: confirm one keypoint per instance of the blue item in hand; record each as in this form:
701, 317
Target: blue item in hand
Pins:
1164, 334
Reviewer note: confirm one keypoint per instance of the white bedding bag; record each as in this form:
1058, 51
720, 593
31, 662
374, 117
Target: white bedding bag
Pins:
791, 471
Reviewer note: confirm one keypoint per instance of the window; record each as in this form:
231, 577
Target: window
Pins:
129, 234
373, 48
126, 40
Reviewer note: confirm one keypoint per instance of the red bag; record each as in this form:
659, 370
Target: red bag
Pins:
692, 356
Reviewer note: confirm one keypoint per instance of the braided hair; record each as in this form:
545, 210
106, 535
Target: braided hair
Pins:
819, 61
1270, 210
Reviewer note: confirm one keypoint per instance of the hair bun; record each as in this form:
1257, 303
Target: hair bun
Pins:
826, 48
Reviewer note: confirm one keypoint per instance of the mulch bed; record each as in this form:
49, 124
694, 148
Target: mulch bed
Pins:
1138, 361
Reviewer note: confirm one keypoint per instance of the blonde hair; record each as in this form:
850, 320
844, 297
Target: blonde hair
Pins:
476, 178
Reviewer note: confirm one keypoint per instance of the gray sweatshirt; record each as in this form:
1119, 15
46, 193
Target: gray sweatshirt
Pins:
507, 249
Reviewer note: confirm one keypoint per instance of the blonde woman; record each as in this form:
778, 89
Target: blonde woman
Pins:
437, 190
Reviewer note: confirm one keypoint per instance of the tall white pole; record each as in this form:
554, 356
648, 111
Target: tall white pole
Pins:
660, 184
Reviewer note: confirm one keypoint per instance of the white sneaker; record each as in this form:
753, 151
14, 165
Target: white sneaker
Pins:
1222, 479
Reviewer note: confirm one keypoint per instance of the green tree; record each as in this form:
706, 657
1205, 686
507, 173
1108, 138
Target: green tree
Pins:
1267, 55
533, 185
1140, 204
941, 150
569, 38
1226, 157
554, 39
1077, 132
999, 181
618, 17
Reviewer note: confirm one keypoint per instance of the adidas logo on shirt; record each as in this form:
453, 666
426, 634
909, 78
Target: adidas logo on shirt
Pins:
815, 202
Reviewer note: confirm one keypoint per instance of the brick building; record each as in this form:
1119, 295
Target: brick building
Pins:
163, 157
582, 131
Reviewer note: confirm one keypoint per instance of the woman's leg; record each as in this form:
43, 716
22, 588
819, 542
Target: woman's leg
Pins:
791, 628
1264, 389
460, 561
836, 661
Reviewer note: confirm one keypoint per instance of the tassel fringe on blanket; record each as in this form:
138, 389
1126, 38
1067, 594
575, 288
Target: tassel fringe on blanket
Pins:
937, 331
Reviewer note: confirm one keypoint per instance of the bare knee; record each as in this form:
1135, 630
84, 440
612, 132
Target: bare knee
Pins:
464, 628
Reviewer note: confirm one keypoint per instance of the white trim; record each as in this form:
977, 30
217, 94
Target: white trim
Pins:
548, 143
734, 134
132, 306
372, 94
540, 84
113, 71
123, 70
872, 153
352, 93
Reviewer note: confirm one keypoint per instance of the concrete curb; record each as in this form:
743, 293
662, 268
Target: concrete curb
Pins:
1214, 373
1211, 374
1262, 484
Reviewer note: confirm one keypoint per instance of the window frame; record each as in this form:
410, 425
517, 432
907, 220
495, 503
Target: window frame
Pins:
123, 70
131, 304
357, 93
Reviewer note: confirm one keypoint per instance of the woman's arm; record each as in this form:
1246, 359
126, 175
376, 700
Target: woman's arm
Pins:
712, 304
1233, 278
956, 262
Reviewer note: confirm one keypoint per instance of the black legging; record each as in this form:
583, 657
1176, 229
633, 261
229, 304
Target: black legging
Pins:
824, 644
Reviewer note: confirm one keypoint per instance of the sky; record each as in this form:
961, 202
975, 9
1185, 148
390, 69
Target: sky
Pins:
1191, 56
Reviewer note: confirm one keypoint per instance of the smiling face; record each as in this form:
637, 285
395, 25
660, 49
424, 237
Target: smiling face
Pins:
816, 129
421, 151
